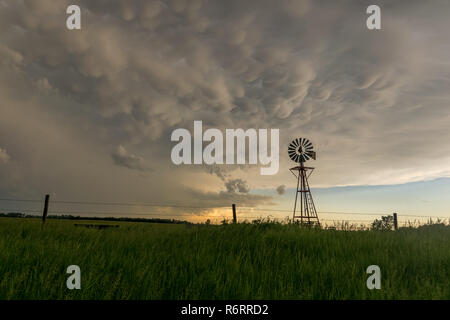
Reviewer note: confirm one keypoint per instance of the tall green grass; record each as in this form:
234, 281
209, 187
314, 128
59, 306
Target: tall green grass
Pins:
243, 261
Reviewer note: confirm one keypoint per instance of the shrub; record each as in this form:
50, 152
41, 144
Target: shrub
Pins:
386, 223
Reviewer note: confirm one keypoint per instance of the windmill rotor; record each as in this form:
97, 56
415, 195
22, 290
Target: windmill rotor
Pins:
301, 150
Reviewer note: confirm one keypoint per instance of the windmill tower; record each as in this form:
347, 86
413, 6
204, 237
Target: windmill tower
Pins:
301, 150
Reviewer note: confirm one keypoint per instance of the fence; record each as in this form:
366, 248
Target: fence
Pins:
199, 214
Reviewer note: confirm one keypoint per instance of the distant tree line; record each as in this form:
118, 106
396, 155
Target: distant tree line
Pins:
383, 224
71, 217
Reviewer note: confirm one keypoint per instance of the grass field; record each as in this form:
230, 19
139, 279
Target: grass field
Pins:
243, 261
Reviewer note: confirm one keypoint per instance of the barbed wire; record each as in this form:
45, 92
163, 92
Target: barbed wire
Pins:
249, 212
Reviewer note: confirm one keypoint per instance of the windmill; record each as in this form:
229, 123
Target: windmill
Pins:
301, 150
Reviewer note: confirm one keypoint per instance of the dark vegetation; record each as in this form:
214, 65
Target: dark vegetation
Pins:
259, 260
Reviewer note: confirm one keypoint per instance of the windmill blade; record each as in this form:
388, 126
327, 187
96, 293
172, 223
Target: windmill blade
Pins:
301, 150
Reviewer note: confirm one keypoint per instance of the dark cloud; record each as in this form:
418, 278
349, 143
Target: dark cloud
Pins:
231, 185
219, 172
122, 157
4, 156
237, 185
370, 101
225, 199
281, 189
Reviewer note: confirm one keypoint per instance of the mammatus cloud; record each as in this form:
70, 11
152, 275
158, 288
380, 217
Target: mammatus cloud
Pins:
281, 189
122, 157
4, 156
137, 70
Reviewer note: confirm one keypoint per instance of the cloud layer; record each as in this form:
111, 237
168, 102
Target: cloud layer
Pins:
4, 156
374, 103
122, 157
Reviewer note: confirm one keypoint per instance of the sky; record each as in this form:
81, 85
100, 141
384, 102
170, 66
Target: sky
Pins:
87, 115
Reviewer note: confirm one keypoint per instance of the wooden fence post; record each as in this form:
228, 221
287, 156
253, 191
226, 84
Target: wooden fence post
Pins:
44, 214
395, 221
234, 213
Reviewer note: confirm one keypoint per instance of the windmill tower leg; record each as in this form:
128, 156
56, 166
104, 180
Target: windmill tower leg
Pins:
296, 196
307, 213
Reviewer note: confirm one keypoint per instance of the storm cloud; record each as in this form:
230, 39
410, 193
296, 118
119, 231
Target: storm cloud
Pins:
281, 189
4, 156
374, 103
123, 158
237, 185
